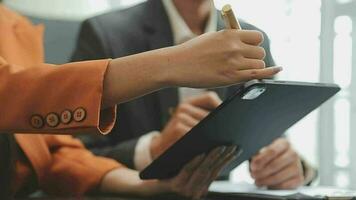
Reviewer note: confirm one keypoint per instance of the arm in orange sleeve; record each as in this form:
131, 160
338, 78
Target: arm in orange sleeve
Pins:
74, 169
48, 98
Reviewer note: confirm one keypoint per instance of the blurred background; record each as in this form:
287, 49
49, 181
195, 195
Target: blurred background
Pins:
312, 39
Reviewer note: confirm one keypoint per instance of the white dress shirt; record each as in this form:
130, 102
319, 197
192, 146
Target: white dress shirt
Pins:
181, 33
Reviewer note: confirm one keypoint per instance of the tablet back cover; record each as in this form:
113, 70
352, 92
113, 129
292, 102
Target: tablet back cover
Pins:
249, 124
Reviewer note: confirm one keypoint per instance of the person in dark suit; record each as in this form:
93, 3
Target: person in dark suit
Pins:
150, 124
36, 102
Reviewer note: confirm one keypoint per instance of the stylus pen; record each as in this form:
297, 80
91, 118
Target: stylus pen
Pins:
231, 22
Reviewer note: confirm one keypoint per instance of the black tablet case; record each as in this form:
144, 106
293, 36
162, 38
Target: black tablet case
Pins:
250, 124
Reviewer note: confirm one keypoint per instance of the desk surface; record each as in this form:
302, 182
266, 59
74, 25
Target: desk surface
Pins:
166, 197
210, 197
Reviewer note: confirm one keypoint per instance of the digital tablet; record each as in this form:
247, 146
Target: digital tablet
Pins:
252, 118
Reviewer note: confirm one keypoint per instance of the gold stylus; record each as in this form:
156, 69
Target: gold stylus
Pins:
231, 22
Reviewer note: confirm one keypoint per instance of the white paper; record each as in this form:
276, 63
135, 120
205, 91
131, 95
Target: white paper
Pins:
243, 187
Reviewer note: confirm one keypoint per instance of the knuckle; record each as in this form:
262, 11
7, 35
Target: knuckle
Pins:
257, 162
237, 47
300, 178
180, 127
253, 74
234, 60
182, 107
180, 116
211, 95
295, 156
286, 143
271, 152
262, 52
213, 98
228, 37
260, 64
259, 37
224, 33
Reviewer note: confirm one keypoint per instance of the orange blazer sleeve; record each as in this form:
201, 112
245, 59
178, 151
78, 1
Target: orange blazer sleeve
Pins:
74, 169
54, 99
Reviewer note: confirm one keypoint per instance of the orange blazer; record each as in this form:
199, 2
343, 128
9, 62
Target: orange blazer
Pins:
36, 97
42, 98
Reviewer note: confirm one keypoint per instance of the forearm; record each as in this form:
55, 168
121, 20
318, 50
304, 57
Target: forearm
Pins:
133, 76
205, 62
127, 181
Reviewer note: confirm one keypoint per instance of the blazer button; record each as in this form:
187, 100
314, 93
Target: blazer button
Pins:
66, 117
37, 121
52, 120
79, 114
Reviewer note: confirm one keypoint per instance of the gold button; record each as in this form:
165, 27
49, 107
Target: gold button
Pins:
66, 117
37, 121
79, 114
52, 120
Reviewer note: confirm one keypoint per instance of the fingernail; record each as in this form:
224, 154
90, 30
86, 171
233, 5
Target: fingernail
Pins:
278, 69
263, 150
222, 149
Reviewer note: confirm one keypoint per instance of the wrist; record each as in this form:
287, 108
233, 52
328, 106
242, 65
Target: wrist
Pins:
172, 62
127, 181
155, 146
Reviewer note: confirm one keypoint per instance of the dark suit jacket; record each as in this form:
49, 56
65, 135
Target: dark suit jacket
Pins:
125, 32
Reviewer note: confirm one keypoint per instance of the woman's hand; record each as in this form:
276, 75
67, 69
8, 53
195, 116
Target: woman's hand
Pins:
219, 59
195, 178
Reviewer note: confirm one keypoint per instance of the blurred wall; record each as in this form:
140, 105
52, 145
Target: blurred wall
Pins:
60, 38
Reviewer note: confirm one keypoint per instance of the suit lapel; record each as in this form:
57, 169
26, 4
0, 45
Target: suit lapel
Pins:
157, 26
159, 35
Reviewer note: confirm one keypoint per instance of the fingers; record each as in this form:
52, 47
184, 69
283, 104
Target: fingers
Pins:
195, 178
246, 75
287, 158
254, 52
180, 130
188, 178
202, 172
189, 169
292, 183
187, 120
230, 156
208, 101
277, 166
248, 64
210, 168
193, 111
269, 153
283, 177
251, 37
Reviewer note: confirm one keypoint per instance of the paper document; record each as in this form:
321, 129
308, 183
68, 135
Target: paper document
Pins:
243, 187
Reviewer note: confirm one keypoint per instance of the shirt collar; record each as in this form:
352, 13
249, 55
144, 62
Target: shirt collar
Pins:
181, 31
